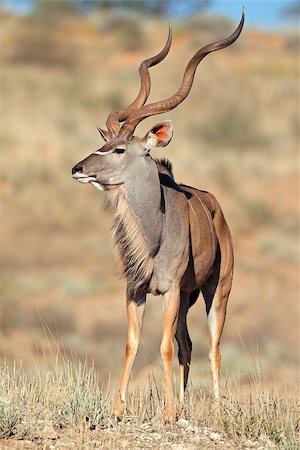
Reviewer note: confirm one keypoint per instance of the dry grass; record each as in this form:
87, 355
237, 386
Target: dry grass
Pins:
65, 404
66, 396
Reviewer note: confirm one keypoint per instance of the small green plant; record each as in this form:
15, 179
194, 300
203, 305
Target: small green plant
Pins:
10, 418
260, 416
79, 398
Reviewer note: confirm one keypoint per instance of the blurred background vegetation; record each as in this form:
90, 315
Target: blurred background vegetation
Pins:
64, 66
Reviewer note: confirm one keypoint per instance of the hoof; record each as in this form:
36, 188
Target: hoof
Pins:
116, 417
119, 410
169, 418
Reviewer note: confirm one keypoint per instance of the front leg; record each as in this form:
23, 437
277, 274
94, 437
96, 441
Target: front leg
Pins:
171, 308
135, 313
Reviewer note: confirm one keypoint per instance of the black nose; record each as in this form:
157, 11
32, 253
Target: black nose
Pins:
76, 169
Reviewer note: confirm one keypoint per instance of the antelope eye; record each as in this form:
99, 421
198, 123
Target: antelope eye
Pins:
119, 150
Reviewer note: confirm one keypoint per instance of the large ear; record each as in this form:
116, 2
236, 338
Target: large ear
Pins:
159, 136
104, 134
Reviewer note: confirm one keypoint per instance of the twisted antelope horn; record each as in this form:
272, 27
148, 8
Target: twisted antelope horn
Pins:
115, 117
166, 105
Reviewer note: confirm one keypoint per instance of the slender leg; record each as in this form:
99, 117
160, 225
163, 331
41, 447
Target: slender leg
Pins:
216, 292
171, 305
135, 313
184, 340
184, 345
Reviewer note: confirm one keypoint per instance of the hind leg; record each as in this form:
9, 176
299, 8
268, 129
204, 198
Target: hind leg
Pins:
184, 345
184, 341
216, 291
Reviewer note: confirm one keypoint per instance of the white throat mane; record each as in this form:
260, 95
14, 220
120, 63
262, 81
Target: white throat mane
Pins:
131, 244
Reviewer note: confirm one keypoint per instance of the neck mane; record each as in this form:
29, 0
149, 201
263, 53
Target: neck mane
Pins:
131, 245
137, 228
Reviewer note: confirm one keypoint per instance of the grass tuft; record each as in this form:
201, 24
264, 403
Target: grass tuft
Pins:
66, 400
68, 395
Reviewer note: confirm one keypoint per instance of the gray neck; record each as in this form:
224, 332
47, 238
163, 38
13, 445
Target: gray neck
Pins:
143, 193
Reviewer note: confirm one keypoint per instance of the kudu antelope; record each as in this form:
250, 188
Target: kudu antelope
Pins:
172, 239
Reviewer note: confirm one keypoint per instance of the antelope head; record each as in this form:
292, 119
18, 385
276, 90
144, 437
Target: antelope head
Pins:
112, 164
